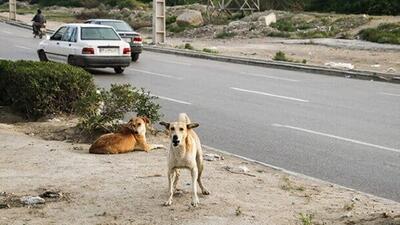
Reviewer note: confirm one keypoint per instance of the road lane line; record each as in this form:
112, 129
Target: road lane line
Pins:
390, 94
269, 94
23, 47
174, 62
269, 77
172, 100
337, 137
156, 74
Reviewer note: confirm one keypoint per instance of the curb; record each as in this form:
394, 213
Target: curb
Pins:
363, 75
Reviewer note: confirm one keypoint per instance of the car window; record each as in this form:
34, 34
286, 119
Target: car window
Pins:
59, 34
98, 33
69, 34
118, 25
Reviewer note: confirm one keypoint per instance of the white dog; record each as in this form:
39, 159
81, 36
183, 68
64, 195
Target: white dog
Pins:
185, 153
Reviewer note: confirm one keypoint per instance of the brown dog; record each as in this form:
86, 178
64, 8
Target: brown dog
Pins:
132, 136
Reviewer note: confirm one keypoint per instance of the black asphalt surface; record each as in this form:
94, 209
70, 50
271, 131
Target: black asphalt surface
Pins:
344, 131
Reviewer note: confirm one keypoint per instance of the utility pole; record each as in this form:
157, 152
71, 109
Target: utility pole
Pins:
13, 9
159, 34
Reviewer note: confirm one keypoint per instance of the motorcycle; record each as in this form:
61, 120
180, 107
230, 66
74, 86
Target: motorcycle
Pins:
39, 30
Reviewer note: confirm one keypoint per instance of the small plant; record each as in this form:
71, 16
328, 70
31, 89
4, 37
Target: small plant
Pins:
306, 219
224, 34
349, 206
170, 20
384, 33
103, 110
189, 46
238, 211
208, 50
288, 185
280, 56
284, 25
304, 61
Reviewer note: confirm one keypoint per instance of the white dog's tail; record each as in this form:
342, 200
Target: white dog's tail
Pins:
183, 117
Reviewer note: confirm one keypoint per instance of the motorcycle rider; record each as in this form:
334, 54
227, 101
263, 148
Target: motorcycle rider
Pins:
38, 21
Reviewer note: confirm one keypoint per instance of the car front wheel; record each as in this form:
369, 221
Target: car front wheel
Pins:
135, 57
119, 70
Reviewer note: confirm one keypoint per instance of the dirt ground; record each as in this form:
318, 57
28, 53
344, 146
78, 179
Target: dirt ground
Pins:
131, 188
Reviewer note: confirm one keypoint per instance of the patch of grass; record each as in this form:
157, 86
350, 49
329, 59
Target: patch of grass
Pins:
384, 33
208, 50
170, 20
224, 34
304, 61
175, 28
279, 34
306, 219
288, 185
284, 25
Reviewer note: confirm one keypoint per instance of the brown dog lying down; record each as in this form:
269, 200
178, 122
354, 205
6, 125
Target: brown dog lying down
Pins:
132, 136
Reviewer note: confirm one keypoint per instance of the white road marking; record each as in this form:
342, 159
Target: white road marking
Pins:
390, 94
23, 47
269, 94
172, 100
174, 62
337, 137
269, 77
156, 74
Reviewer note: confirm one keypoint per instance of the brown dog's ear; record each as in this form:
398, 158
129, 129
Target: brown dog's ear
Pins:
192, 125
165, 124
145, 119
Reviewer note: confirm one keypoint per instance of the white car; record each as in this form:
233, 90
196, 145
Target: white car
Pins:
87, 46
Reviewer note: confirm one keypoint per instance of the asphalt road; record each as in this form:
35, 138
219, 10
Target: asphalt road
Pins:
345, 131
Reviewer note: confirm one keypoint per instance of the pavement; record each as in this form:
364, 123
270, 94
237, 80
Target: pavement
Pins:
344, 131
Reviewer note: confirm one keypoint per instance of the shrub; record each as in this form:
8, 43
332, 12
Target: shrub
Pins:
189, 46
38, 89
170, 20
384, 33
103, 110
280, 56
284, 25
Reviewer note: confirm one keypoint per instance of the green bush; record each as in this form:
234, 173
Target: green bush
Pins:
285, 25
103, 110
280, 56
224, 34
189, 46
38, 89
384, 33
209, 50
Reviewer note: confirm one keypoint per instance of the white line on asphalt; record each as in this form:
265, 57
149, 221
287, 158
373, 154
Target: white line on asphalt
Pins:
23, 47
390, 94
337, 137
174, 62
172, 100
271, 95
269, 77
156, 74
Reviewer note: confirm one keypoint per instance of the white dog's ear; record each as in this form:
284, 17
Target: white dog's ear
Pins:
165, 124
192, 125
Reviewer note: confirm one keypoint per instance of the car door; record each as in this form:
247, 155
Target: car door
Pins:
52, 50
68, 44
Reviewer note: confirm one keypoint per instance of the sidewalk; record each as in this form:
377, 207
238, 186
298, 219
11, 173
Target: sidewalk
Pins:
130, 188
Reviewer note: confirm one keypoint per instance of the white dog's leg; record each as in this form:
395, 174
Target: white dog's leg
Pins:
171, 180
195, 198
177, 174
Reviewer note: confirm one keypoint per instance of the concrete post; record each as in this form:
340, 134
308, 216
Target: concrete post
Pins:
159, 34
13, 9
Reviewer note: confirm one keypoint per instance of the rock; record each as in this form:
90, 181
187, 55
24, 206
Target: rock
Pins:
4, 206
32, 200
268, 19
347, 66
237, 24
243, 169
51, 194
391, 70
125, 11
376, 66
190, 18
212, 157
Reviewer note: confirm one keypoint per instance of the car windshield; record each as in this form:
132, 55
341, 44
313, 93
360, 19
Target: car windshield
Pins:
98, 33
118, 25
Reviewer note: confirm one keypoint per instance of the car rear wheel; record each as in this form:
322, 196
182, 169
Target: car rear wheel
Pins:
135, 57
119, 70
42, 56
